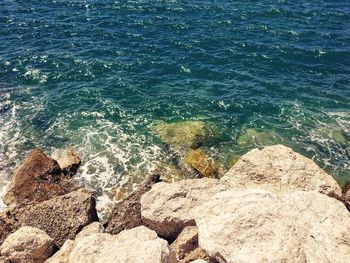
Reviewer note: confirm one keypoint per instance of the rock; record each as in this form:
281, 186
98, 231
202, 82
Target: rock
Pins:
183, 134
185, 242
186, 247
7, 226
259, 226
168, 208
93, 228
280, 169
199, 261
69, 161
61, 217
169, 172
62, 256
27, 245
127, 213
37, 179
197, 160
139, 244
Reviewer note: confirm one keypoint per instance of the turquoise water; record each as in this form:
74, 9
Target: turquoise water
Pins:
96, 74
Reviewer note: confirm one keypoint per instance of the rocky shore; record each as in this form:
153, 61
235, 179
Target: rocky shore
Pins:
272, 205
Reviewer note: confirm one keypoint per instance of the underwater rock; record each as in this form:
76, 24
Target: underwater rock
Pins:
197, 160
27, 245
337, 135
258, 138
169, 172
278, 168
184, 134
37, 179
126, 214
259, 226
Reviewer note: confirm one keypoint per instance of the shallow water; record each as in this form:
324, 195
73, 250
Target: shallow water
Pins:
95, 75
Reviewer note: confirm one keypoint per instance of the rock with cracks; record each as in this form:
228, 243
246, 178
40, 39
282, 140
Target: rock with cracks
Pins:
169, 208
37, 179
127, 213
27, 245
137, 245
61, 217
280, 169
259, 226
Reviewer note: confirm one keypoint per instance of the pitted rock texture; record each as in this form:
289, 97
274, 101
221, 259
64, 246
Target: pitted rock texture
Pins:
278, 168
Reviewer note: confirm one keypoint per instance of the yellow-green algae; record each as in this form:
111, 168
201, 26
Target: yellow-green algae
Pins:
183, 134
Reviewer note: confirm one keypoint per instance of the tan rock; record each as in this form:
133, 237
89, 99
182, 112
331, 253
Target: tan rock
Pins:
27, 245
197, 160
38, 178
185, 242
127, 213
169, 208
61, 217
62, 255
186, 247
139, 244
259, 226
69, 160
280, 169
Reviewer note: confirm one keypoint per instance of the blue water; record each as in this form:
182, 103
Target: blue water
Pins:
96, 74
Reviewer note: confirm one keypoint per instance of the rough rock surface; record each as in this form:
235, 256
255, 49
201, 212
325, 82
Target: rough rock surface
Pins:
7, 226
259, 226
139, 244
278, 168
62, 255
27, 245
185, 242
127, 213
61, 217
169, 208
197, 160
69, 161
38, 178
186, 247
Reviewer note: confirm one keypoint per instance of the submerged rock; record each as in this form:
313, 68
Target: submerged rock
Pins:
258, 138
61, 217
280, 169
139, 244
37, 179
169, 208
27, 245
197, 160
259, 226
127, 213
183, 134
169, 172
